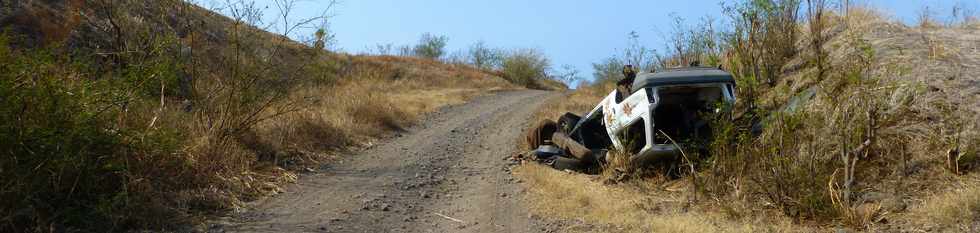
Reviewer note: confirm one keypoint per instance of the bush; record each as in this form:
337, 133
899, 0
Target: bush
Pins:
75, 146
763, 38
526, 67
609, 70
431, 46
483, 57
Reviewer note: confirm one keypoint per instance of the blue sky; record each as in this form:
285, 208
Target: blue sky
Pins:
573, 32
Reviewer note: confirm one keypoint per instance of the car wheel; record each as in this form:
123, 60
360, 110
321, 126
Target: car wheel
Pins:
540, 133
567, 122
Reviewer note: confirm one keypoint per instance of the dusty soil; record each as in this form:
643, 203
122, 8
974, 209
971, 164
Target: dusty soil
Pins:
447, 174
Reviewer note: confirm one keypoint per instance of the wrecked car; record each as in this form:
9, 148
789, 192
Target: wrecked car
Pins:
659, 114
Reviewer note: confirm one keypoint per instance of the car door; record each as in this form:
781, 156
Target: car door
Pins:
619, 116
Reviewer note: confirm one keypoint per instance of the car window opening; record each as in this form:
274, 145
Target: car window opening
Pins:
681, 110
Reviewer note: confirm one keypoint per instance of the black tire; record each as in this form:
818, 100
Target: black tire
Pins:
562, 163
567, 122
541, 132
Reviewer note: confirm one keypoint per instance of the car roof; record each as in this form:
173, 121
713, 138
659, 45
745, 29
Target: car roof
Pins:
681, 76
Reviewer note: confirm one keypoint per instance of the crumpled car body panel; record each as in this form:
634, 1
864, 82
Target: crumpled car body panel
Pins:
620, 118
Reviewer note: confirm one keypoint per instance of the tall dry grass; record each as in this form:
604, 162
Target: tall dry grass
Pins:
641, 205
954, 209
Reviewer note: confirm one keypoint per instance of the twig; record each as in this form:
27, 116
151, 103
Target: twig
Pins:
694, 175
450, 218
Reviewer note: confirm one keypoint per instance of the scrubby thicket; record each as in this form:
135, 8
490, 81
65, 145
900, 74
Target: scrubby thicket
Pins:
834, 127
117, 115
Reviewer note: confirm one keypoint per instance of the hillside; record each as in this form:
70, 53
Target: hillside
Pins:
121, 115
941, 58
882, 140
126, 115
946, 59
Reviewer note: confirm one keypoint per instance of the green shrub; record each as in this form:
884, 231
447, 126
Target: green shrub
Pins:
483, 57
431, 46
68, 156
526, 67
763, 37
608, 71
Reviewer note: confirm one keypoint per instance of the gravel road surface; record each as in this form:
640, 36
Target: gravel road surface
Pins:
446, 174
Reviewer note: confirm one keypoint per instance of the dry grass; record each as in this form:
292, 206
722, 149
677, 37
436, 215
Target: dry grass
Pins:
638, 206
957, 208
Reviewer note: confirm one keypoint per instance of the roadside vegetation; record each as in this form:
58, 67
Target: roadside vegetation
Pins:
122, 115
845, 120
522, 66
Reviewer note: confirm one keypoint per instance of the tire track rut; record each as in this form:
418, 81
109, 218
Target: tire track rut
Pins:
447, 174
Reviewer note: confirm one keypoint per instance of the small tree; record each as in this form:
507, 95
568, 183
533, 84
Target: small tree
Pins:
323, 38
383, 49
525, 67
431, 46
457, 57
608, 70
763, 38
406, 50
817, 23
688, 44
568, 75
484, 57
638, 55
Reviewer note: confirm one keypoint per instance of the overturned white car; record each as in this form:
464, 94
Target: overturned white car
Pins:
671, 104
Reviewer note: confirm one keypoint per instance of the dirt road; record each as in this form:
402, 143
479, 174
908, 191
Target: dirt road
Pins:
447, 174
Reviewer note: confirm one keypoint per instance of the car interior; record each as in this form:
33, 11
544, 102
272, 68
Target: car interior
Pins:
681, 111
